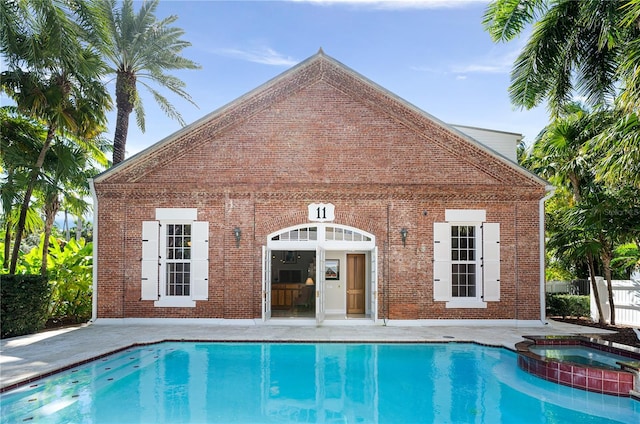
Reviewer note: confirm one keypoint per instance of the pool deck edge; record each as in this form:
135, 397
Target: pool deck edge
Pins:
25, 358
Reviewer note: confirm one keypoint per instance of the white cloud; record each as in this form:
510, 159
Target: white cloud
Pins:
429, 69
479, 68
491, 64
395, 4
262, 55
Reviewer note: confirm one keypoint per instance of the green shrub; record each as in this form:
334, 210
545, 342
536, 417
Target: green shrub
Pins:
70, 273
24, 302
71, 278
568, 305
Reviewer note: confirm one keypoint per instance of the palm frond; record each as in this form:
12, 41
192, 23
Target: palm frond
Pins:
138, 107
619, 148
165, 105
505, 19
170, 82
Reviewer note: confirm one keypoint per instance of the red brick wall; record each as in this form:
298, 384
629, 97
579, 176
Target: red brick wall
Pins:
317, 144
405, 272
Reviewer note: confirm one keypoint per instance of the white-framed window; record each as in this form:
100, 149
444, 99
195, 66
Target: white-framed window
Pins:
175, 264
466, 263
177, 248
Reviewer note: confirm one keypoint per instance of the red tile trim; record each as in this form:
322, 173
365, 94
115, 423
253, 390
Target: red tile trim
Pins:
610, 382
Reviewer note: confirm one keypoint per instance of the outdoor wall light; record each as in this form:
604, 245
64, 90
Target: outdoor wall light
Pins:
237, 233
403, 234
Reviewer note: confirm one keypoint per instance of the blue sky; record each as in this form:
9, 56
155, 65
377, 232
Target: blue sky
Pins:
433, 53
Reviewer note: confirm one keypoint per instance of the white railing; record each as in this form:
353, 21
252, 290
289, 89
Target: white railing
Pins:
626, 298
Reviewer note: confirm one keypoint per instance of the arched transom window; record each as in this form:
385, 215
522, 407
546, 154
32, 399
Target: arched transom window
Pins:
344, 234
325, 234
298, 234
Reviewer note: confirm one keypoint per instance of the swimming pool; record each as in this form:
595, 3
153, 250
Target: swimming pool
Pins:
303, 382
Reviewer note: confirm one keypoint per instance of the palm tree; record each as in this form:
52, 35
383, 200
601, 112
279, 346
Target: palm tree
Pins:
588, 47
573, 240
575, 47
138, 48
66, 171
54, 79
561, 154
599, 213
19, 135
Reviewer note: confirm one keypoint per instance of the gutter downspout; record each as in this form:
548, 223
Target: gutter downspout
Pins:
94, 300
543, 307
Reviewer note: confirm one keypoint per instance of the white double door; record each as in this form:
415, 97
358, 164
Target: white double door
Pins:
320, 282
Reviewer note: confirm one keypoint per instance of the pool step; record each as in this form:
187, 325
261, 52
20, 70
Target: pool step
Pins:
40, 399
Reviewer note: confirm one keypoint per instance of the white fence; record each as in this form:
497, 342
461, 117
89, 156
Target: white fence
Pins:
579, 287
626, 298
557, 286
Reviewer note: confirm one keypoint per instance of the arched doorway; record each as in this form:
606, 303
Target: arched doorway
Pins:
339, 261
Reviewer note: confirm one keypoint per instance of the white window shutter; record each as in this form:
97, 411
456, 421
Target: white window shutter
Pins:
150, 260
491, 261
200, 260
441, 261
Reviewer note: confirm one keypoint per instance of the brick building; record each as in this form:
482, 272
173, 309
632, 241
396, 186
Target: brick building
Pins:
320, 196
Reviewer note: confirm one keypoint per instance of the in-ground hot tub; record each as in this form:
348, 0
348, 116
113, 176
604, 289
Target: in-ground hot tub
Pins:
582, 362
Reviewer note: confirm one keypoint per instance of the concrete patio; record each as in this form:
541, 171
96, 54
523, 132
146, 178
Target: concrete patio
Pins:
25, 358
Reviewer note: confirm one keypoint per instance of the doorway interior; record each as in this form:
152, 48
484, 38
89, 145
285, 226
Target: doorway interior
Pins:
320, 271
293, 284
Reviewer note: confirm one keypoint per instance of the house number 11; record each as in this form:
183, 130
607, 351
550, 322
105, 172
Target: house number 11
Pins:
321, 212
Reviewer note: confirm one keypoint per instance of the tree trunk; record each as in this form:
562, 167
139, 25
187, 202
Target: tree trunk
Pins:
67, 231
575, 184
7, 243
594, 287
125, 99
606, 256
79, 226
51, 209
8, 222
33, 177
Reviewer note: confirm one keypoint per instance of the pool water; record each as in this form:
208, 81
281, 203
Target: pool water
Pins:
580, 355
327, 382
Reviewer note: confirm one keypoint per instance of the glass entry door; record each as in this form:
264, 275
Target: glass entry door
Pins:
320, 283
266, 283
296, 256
